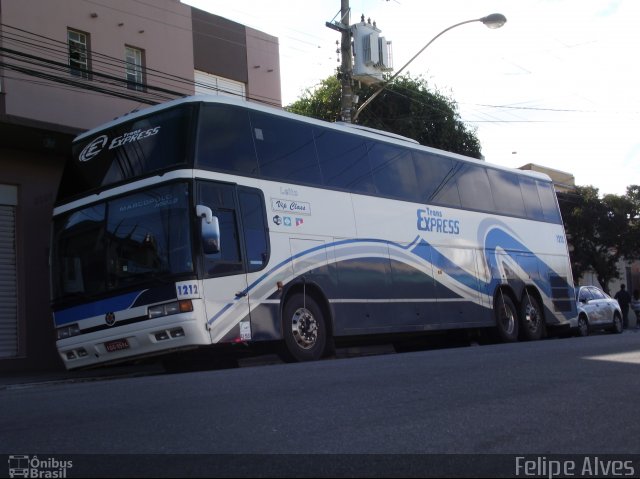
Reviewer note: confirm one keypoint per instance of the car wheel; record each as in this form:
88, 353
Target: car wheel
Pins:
583, 327
304, 329
617, 324
506, 318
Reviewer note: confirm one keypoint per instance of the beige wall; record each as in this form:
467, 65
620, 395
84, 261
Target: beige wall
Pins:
263, 63
166, 40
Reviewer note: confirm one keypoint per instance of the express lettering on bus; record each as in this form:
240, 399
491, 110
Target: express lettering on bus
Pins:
432, 221
133, 136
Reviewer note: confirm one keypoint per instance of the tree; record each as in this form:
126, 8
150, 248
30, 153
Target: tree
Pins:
601, 231
633, 195
406, 107
321, 102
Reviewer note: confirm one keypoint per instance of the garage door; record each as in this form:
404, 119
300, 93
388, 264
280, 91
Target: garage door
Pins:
8, 276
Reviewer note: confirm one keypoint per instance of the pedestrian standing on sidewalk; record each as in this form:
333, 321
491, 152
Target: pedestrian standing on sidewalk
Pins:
624, 298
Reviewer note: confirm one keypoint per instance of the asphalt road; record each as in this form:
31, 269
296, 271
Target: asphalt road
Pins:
560, 396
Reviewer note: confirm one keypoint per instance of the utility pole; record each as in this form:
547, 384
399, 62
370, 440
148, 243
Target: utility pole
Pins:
346, 103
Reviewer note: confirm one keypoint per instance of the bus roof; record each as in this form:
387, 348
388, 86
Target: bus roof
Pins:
353, 129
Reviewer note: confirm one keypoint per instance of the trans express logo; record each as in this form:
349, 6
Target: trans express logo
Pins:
434, 221
98, 144
94, 148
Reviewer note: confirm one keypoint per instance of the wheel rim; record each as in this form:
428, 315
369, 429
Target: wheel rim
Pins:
304, 327
532, 317
508, 319
582, 326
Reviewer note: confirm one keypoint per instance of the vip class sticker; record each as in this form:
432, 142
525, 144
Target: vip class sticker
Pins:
288, 206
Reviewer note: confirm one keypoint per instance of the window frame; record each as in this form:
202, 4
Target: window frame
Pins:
82, 67
135, 68
259, 194
233, 204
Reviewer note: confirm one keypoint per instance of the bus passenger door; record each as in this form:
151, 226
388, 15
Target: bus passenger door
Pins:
224, 274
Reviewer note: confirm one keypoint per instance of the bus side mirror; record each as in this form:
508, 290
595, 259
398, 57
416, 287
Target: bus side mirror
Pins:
209, 230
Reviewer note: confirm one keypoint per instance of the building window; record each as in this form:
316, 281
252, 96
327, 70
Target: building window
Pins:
134, 68
78, 53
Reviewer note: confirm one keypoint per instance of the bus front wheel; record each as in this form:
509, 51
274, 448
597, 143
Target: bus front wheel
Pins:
506, 318
304, 329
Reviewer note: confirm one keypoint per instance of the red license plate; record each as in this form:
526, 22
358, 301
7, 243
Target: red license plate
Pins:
117, 345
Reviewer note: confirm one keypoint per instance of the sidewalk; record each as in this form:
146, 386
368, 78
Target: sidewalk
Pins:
24, 379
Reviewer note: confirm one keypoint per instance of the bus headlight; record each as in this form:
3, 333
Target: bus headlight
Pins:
167, 309
67, 331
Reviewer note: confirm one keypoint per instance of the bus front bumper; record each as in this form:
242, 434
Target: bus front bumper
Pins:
133, 341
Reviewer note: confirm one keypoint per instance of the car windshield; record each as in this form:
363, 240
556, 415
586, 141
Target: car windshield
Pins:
122, 242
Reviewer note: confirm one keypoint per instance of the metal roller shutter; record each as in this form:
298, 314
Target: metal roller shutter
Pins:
8, 283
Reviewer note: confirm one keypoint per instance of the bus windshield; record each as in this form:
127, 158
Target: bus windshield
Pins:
123, 242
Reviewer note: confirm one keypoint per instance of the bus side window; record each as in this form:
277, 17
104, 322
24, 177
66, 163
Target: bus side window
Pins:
256, 238
285, 148
393, 171
506, 192
474, 188
224, 140
344, 161
549, 202
436, 179
531, 199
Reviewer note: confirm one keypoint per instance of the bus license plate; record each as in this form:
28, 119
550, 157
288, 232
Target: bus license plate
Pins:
117, 345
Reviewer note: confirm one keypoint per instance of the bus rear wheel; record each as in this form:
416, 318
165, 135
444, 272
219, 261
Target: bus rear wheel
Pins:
531, 319
304, 329
506, 318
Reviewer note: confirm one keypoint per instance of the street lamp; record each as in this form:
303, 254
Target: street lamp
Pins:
493, 21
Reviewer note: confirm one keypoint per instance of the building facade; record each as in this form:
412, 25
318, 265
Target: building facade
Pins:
70, 65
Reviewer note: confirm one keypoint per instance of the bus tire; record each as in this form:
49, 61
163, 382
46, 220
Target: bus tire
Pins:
531, 319
506, 316
304, 329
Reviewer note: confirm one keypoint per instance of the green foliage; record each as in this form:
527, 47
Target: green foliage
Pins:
322, 102
406, 107
601, 231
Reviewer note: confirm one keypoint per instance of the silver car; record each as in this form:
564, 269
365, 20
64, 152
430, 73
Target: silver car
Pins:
597, 310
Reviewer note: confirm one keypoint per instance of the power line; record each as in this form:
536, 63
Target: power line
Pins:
508, 107
46, 58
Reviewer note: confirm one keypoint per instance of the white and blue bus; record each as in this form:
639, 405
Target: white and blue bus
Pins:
208, 220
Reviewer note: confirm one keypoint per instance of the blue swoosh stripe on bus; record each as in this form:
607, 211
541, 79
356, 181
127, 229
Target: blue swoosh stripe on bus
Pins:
512, 247
219, 313
440, 261
324, 246
257, 282
96, 308
495, 238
